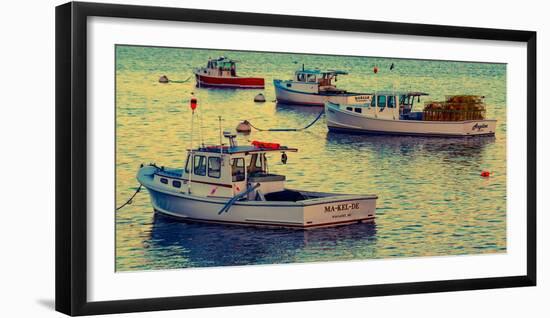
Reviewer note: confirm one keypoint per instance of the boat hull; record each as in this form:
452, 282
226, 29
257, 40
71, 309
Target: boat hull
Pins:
229, 82
344, 121
293, 97
323, 211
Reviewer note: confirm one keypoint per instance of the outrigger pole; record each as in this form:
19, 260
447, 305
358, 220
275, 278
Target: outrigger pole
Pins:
234, 199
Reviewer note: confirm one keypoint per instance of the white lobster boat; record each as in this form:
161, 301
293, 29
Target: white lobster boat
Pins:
392, 113
232, 185
314, 88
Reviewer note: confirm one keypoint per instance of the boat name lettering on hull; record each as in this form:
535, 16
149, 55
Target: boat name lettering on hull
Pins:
364, 98
342, 207
479, 126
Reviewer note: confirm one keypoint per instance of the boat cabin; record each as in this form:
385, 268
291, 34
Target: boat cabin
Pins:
227, 171
390, 105
315, 81
220, 66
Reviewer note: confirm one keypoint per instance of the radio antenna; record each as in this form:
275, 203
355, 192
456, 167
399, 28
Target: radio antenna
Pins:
220, 128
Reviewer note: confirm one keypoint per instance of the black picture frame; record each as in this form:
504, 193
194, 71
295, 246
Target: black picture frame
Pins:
71, 157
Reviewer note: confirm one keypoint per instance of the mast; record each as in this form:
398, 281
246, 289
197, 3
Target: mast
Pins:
191, 157
193, 105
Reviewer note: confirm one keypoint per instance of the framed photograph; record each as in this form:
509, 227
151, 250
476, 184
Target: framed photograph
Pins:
208, 158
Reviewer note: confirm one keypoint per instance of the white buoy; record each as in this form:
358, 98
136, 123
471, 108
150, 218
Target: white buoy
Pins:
244, 127
260, 98
164, 79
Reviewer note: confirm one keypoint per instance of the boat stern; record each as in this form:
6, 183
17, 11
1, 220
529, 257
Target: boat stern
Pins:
480, 127
339, 210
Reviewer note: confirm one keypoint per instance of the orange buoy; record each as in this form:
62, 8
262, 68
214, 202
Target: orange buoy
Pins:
375, 69
485, 173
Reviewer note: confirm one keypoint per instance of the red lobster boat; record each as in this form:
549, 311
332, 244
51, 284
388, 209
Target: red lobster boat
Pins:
222, 73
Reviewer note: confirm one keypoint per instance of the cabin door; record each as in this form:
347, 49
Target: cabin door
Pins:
238, 175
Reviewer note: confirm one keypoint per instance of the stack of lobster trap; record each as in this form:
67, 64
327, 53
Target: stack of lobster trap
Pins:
456, 108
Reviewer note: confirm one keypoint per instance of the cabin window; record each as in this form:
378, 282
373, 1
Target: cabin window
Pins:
311, 78
237, 169
164, 180
382, 101
391, 101
288, 85
402, 100
176, 184
358, 110
373, 102
214, 166
349, 108
300, 77
200, 165
257, 164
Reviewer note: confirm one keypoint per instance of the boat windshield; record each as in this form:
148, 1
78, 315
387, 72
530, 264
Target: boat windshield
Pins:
406, 100
391, 101
222, 64
380, 101
324, 78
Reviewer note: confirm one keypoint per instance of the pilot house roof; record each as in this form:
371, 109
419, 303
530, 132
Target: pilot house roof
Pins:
244, 149
406, 93
317, 72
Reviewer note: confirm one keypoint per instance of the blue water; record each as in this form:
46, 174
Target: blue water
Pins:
432, 200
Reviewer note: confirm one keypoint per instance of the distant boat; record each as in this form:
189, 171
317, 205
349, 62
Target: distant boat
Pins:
222, 73
314, 88
232, 185
392, 113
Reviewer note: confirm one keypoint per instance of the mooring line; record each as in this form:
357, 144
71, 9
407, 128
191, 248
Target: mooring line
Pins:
179, 82
131, 198
290, 129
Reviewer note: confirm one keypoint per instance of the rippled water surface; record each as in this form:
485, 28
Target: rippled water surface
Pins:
432, 200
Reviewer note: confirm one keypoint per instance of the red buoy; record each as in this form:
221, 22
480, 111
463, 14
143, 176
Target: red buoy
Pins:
193, 103
485, 173
375, 69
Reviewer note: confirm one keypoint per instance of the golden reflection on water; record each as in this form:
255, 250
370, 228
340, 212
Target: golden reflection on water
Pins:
432, 200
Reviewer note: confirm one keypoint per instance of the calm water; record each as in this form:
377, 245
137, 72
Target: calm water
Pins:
432, 201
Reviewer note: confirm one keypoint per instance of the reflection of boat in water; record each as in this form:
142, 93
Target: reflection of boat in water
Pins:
222, 73
392, 113
314, 88
200, 244
412, 145
232, 185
